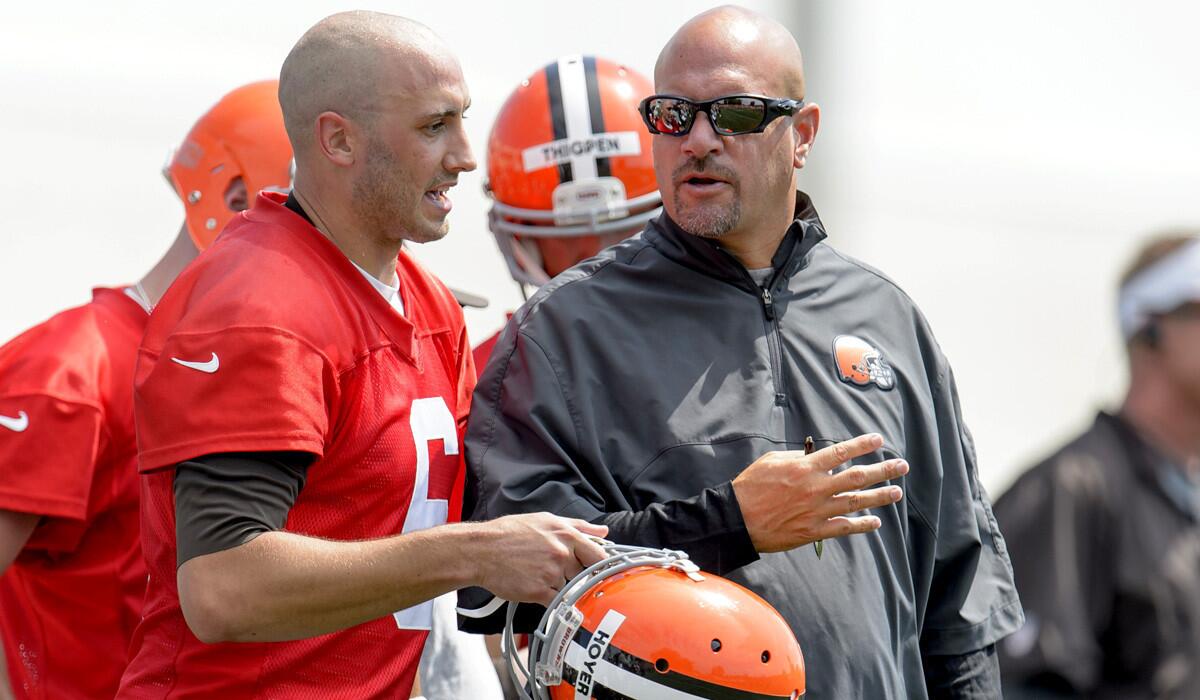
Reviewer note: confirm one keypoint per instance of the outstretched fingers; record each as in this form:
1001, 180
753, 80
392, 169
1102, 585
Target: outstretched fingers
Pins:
854, 501
843, 526
830, 457
864, 475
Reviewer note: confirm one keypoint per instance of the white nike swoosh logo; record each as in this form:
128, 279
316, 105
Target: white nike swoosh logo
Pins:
207, 367
18, 424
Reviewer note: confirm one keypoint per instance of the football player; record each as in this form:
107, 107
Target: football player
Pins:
73, 576
301, 393
569, 169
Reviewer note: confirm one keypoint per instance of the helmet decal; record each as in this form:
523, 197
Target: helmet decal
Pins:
861, 364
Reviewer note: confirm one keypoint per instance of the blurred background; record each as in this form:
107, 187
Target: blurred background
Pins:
999, 161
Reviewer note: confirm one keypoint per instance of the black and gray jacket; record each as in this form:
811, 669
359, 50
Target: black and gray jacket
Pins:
632, 388
1106, 550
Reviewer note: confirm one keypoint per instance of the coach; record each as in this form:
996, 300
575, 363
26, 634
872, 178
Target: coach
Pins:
634, 390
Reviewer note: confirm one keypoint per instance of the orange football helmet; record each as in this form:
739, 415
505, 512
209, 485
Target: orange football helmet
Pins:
242, 136
646, 623
569, 157
861, 363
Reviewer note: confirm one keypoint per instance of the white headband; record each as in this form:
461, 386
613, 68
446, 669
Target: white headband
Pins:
1164, 286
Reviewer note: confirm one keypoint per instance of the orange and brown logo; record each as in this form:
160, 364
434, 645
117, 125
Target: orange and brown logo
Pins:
860, 363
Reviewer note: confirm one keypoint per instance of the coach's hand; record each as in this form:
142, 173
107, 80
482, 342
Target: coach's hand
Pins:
530, 557
789, 499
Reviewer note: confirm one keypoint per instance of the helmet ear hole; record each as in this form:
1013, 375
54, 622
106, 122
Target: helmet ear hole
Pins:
716, 645
236, 196
662, 665
766, 656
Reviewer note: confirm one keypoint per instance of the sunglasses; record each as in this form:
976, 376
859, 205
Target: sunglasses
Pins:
730, 115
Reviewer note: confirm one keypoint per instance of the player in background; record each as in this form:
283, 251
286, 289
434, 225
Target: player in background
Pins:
1105, 533
300, 397
72, 572
569, 169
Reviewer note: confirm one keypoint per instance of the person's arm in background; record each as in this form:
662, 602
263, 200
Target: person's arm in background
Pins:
15, 529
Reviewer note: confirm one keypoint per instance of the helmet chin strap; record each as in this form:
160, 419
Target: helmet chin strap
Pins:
562, 619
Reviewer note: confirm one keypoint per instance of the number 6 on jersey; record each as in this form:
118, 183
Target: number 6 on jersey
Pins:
429, 419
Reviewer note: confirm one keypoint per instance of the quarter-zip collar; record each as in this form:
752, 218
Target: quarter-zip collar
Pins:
710, 258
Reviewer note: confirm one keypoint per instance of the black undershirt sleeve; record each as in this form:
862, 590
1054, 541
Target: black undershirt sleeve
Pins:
226, 500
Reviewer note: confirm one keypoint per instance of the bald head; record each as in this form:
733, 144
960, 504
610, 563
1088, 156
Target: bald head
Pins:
736, 45
352, 63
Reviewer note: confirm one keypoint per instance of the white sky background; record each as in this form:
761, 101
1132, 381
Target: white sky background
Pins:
999, 161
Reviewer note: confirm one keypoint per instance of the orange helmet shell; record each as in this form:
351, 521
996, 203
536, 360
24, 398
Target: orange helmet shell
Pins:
688, 633
546, 124
242, 136
568, 156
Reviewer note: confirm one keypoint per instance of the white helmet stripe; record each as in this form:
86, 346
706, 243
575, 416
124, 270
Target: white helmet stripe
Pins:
618, 679
576, 113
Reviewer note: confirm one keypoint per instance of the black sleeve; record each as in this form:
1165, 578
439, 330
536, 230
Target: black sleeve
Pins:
709, 527
225, 500
971, 676
526, 453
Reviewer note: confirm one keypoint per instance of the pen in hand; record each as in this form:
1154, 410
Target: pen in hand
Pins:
819, 545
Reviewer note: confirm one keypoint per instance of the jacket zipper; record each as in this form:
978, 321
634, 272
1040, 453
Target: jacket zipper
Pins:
774, 344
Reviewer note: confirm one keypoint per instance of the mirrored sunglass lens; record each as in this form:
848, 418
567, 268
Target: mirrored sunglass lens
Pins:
671, 116
738, 114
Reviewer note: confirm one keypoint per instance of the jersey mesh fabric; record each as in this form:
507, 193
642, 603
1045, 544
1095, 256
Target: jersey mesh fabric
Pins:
310, 358
69, 602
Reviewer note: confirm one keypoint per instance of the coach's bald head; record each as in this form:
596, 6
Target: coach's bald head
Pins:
736, 188
736, 43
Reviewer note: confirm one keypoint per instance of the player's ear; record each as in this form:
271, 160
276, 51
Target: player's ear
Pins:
334, 138
805, 124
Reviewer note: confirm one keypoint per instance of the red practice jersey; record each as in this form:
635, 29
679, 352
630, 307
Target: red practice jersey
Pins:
273, 341
70, 601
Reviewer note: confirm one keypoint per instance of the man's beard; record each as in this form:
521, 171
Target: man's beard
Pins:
387, 203
379, 195
712, 220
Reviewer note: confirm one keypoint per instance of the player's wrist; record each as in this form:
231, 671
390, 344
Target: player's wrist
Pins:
467, 546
